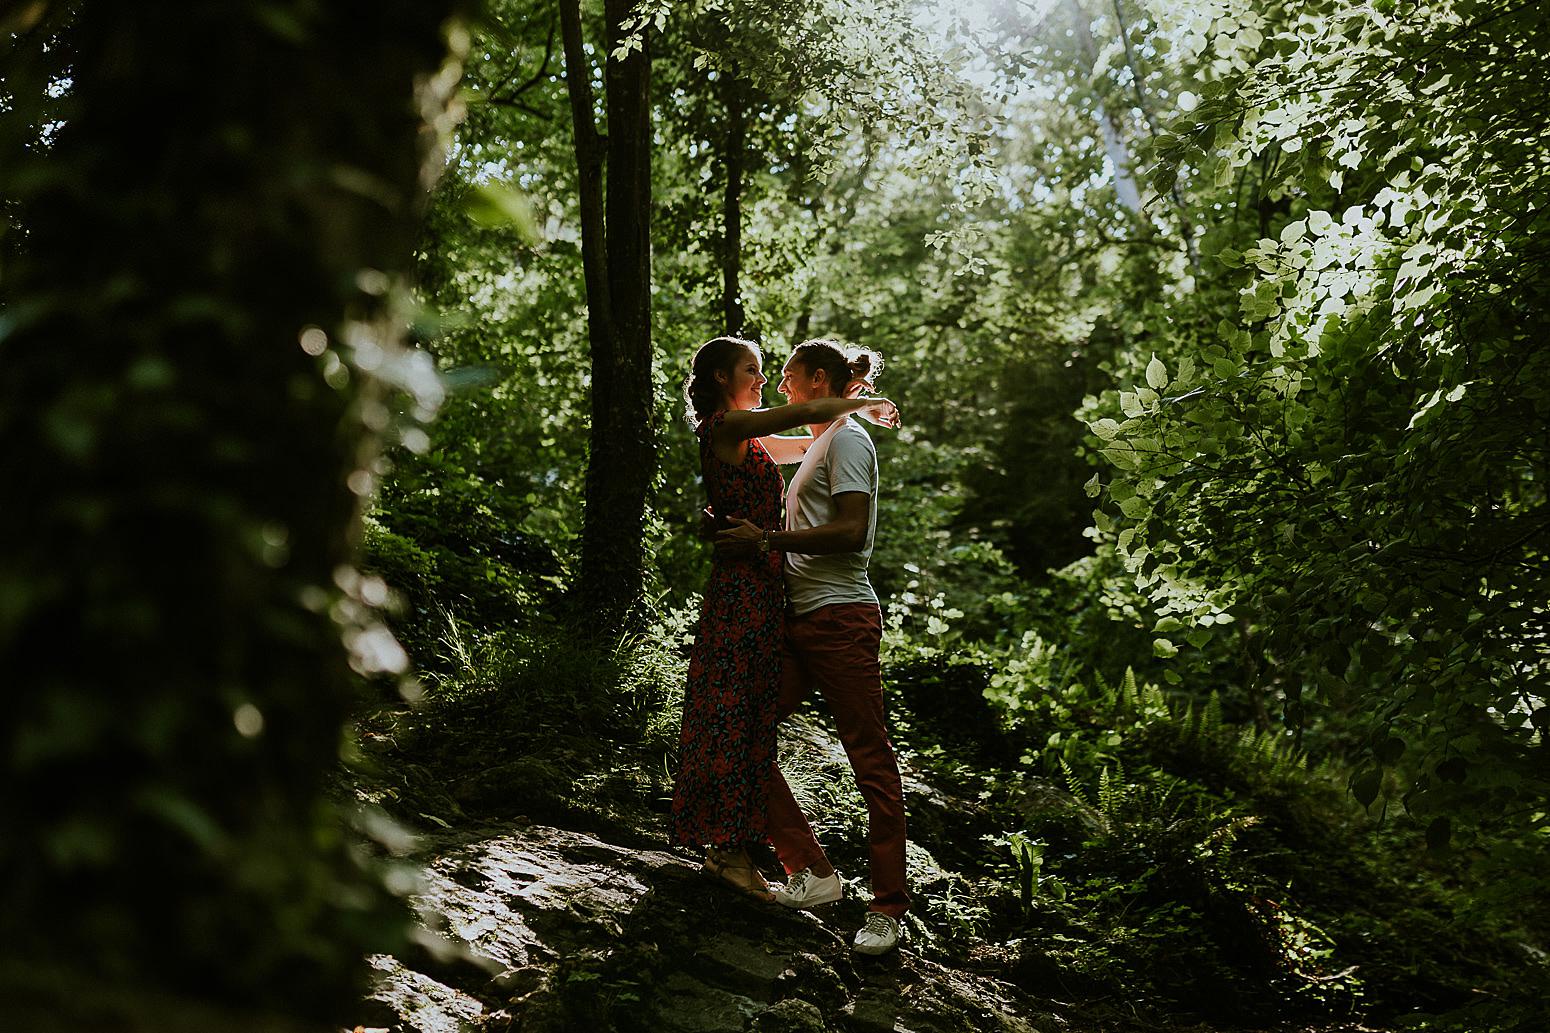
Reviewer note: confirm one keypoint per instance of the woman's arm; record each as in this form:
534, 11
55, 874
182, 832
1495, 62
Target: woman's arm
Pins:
742, 424
786, 449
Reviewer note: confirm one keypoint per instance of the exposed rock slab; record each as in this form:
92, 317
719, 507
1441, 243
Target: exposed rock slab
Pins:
565, 930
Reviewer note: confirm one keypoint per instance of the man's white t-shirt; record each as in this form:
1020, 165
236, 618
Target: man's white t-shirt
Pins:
842, 459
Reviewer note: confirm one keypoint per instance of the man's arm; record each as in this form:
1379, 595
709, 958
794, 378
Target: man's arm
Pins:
845, 533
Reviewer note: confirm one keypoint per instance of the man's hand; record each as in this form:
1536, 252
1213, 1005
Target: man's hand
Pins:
740, 539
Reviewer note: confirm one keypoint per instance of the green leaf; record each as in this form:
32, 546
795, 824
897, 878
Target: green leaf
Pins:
1161, 647
177, 810
496, 205
150, 373
1366, 785
1156, 374
1092, 487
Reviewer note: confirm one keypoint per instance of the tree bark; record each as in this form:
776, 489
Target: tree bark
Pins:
210, 283
1113, 133
588, 145
616, 255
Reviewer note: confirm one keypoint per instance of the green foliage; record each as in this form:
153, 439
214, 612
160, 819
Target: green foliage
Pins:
532, 719
473, 568
1307, 367
1335, 449
1158, 850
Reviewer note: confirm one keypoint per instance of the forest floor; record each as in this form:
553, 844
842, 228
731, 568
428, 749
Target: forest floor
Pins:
567, 912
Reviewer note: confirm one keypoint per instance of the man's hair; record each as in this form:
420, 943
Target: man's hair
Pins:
843, 363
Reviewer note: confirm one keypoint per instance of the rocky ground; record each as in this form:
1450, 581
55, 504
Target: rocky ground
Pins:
585, 922
565, 930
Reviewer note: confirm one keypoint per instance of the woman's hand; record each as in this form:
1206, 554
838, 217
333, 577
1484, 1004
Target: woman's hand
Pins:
881, 412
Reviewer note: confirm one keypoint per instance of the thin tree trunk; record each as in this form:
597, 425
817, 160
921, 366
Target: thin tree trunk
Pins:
589, 178
1113, 135
732, 201
1186, 224
1119, 157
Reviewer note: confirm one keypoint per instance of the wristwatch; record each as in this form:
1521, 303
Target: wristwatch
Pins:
764, 543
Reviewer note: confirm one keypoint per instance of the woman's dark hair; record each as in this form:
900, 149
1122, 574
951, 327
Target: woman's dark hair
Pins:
701, 391
843, 363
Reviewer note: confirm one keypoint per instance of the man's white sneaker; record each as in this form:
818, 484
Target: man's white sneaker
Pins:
879, 935
807, 890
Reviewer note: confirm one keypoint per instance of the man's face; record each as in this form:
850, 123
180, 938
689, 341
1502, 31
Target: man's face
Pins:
797, 384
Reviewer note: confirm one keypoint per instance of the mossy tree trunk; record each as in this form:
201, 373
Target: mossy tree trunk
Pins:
616, 255
202, 336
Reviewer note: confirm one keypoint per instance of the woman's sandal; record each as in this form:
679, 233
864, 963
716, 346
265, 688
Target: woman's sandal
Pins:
746, 885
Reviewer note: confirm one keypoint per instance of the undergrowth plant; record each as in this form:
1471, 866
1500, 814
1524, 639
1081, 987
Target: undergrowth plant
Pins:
1152, 847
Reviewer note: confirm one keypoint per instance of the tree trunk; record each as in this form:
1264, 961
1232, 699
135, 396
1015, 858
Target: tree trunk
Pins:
1186, 224
1113, 134
1119, 157
589, 179
203, 327
616, 254
732, 202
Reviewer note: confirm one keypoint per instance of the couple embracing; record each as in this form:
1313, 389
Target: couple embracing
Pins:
788, 608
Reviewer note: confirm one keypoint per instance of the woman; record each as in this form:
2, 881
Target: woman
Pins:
727, 745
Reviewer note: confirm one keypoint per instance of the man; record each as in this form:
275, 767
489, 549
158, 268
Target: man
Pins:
833, 630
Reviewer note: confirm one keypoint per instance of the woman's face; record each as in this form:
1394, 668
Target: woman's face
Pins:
744, 383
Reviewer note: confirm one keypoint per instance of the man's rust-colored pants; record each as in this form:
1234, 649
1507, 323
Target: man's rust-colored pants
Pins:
835, 648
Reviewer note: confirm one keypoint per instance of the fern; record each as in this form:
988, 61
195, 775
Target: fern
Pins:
1111, 790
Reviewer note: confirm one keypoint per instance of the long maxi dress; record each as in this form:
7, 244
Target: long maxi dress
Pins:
727, 745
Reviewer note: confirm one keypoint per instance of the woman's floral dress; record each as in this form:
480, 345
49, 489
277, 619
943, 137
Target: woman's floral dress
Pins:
727, 746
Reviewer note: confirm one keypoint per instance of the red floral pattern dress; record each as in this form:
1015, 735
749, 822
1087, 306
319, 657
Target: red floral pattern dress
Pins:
727, 746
